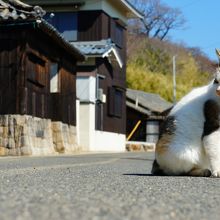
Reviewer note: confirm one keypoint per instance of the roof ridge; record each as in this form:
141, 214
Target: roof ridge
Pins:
16, 9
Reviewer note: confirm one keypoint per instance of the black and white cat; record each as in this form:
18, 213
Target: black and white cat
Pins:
190, 141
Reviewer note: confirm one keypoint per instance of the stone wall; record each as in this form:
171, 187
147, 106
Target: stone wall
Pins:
140, 146
27, 135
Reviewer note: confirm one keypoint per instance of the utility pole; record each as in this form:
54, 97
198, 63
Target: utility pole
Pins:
174, 79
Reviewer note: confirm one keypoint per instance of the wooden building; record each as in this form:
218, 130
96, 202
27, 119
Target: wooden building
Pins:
98, 29
37, 79
145, 115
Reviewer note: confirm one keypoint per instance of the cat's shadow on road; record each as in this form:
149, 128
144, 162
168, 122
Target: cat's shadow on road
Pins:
137, 174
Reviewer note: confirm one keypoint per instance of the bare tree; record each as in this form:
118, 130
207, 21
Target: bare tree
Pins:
158, 19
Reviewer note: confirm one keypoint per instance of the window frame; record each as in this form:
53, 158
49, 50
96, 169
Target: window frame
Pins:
36, 70
55, 78
65, 22
115, 108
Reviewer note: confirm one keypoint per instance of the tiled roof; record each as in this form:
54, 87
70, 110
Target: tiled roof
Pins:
17, 10
100, 48
17, 13
138, 108
97, 48
149, 101
132, 11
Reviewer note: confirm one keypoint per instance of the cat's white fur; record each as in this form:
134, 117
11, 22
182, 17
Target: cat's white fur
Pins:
186, 150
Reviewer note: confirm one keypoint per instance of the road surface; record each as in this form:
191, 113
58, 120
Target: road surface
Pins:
101, 187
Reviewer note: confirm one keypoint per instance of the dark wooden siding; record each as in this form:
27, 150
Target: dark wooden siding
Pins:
132, 118
114, 78
96, 25
93, 26
25, 59
9, 58
141, 133
63, 103
37, 85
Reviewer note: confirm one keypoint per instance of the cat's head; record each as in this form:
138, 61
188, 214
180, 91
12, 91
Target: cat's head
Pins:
216, 81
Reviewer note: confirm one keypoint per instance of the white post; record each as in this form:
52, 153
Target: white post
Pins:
174, 79
78, 122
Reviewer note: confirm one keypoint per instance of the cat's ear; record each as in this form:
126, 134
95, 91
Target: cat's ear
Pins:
217, 52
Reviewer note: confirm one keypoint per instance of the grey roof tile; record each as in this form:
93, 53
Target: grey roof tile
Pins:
150, 101
101, 48
94, 47
16, 10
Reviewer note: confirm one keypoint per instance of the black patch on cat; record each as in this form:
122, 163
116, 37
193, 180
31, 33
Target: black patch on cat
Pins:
215, 81
211, 113
169, 126
156, 170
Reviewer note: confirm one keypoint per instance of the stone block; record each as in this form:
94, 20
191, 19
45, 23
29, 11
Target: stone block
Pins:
59, 137
59, 147
13, 152
5, 132
134, 147
11, 143
11, 131
1, 141
4, 120
18, 151
24, 130
1, 130
3, 151
25, 140
4, 142
65, 128
72, 139
17, 131
27, 135
140, 146
57, 126
72, 130
26, 151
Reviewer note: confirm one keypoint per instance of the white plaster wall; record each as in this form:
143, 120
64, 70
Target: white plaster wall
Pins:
86, 125
86, 88
111, 10
105, 6
78, 122
108, 142
93, 140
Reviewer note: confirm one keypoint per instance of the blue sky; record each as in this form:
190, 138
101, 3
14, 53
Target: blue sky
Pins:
202, 28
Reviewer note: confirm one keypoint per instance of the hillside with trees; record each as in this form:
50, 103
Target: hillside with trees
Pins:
150, 53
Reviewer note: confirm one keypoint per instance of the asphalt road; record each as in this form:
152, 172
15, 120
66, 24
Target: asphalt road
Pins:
101, 187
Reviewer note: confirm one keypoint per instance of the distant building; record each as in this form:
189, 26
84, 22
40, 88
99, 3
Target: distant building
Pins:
149, 111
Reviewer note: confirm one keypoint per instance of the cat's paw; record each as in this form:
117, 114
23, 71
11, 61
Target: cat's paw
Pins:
216, 173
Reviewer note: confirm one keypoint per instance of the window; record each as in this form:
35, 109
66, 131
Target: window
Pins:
86, 88
117, 33
65, 23
36, 72
118, 102
115, 101
54, 78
